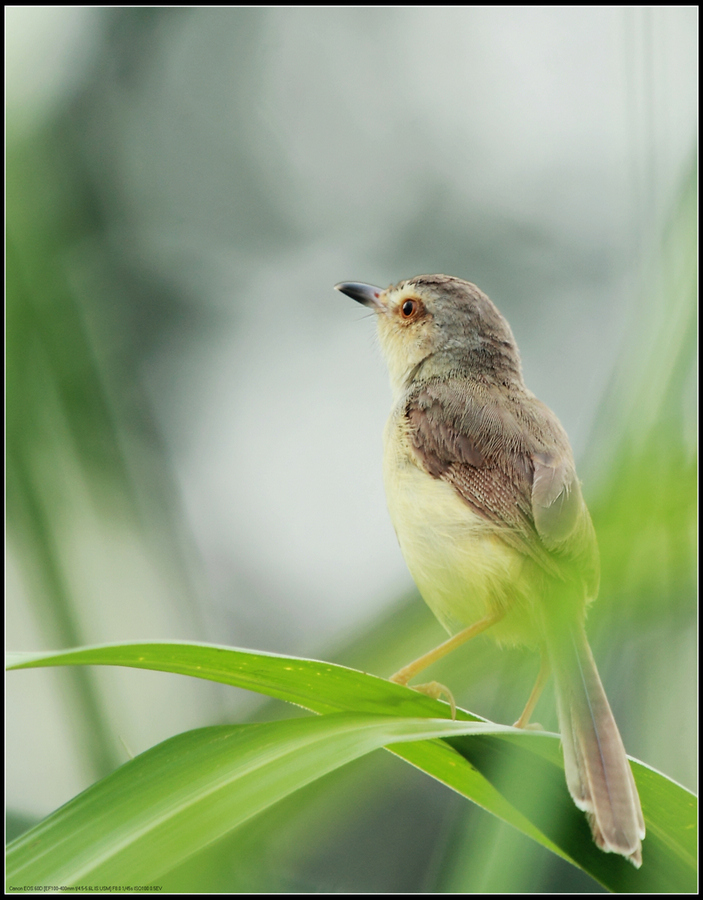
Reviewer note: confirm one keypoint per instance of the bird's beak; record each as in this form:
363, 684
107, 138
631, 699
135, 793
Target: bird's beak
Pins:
362, 293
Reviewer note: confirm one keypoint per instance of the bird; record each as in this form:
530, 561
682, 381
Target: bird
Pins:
483, 494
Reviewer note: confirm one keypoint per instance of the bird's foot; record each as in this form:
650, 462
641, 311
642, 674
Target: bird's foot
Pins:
528, 726
432, 689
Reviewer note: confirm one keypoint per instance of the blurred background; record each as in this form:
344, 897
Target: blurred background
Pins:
194, 416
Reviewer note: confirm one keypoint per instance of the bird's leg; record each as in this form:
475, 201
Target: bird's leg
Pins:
403, 676
542, 678
434, 689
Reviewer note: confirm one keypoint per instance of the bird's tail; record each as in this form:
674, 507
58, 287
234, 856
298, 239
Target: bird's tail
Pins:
598, 773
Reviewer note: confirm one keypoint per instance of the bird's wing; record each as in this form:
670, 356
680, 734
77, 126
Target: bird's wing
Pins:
510, 461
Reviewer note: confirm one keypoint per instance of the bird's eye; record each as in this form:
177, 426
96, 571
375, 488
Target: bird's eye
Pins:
410, 309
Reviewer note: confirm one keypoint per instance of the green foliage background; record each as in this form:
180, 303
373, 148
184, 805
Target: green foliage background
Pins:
86, 459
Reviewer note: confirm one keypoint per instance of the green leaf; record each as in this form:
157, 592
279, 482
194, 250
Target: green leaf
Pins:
517, 776
187, 792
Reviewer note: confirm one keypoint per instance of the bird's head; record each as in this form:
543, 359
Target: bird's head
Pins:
437, 325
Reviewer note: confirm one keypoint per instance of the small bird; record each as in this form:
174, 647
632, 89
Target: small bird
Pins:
483, 495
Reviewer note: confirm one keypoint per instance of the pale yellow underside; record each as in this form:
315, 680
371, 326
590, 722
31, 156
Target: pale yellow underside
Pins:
463, 570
